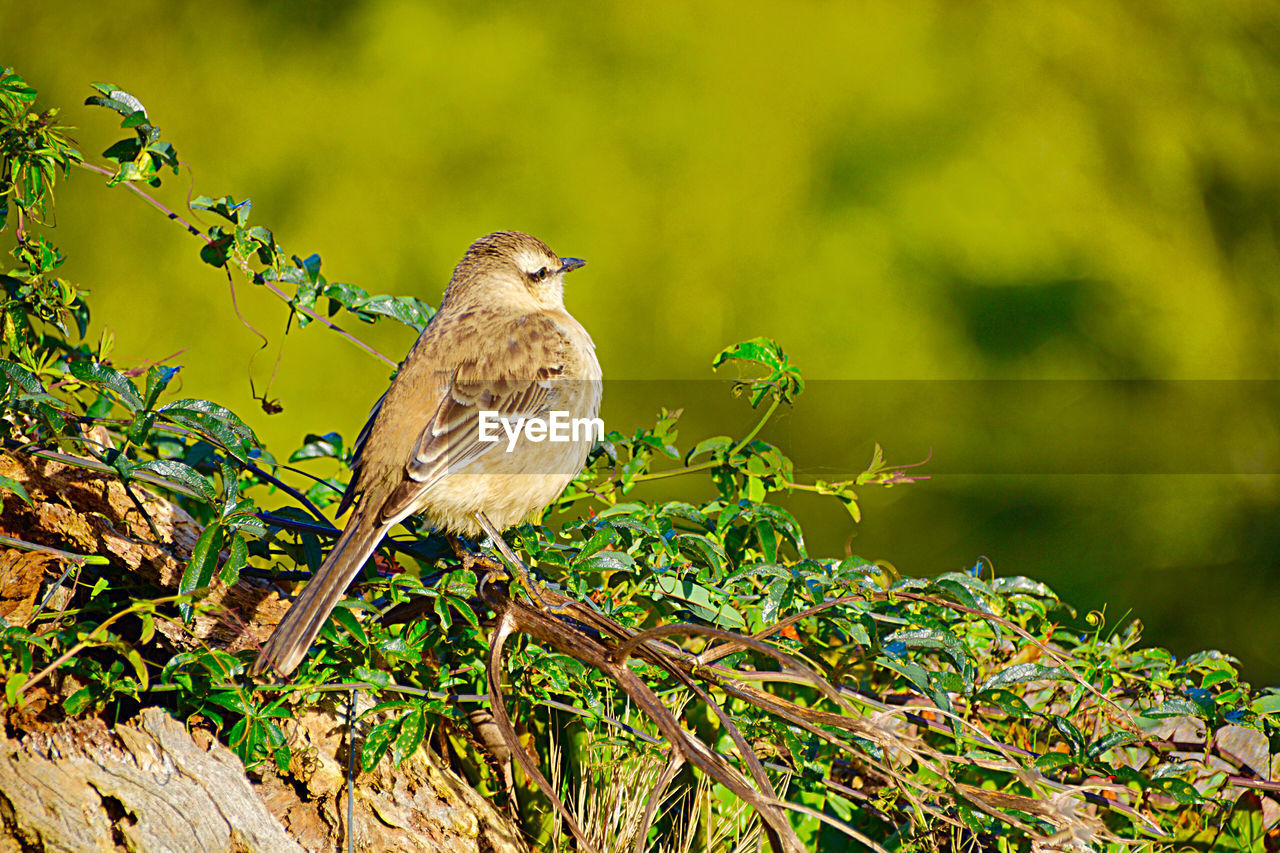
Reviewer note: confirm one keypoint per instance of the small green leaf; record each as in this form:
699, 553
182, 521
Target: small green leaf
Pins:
372, 676
715, 446
215, 422
1175, 707
1051, 761
1075, 740
412, 728
237, 560
707, 603
932, 638
1108, 742
1177, 790
184, 474
762, 350
347, 619
607, 561
1021, 673
598, 541
315, 446
412, 312
376, 744
1008, 701
1268, 704
9, 484
78, 701
158, 378
93, 373
204, 559
20, 376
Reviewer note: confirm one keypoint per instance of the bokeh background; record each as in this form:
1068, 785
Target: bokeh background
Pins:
1033, 242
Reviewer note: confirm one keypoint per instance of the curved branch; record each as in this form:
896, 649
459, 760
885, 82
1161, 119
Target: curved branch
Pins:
506, 625
746, 642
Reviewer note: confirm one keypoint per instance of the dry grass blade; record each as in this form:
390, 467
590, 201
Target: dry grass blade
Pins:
668, 775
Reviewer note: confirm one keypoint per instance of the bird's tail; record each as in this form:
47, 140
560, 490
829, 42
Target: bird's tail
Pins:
291, 639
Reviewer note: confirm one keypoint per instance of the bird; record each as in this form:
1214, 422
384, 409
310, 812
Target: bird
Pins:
501, 348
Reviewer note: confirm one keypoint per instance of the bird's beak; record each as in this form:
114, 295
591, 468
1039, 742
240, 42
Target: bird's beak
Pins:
571, 264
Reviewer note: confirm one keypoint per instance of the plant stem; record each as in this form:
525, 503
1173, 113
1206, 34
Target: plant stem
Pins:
257, 279
703, 466
23, 545
90, 640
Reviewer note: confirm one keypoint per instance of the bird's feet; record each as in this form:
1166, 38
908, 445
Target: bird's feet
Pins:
495, 569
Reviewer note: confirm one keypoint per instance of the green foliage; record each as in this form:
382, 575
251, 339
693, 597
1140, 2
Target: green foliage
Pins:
959, 712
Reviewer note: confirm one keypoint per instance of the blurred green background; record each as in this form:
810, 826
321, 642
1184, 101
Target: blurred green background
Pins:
941, 210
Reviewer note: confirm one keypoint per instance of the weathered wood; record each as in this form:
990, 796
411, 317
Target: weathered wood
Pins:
89, 512
146, 785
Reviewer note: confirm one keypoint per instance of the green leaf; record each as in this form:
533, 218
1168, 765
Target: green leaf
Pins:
232, 700
158, 378
376, 744
1268, 704
785, 523
412, 728
1177, 790
412, 312
1023, 585
1008, 701
115, 98
716, 446
237, 560
78, 701
913, 672
204, 559
707, 603
703, 549
761, 350
598, 541
347, 619
624, 509
469, 614
1021, 673
767, 538
1108, 742
9, 484
315, 446
681, 511
184, 474
1052, 761
1175, 707
20, 376
1075, 740
782, 382
372, 676
931, 638
608, 561
93, 373
227, 207
213, 421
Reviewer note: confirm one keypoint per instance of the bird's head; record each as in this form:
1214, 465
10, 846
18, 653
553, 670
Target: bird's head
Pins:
511, 269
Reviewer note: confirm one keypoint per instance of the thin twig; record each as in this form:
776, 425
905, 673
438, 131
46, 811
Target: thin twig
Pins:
257, 278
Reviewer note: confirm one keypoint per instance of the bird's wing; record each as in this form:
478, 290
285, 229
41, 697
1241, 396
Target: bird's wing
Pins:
512, 378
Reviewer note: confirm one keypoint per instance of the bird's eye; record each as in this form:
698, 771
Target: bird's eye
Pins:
539, 275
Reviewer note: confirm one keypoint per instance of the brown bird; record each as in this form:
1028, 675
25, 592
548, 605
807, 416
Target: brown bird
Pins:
443, 439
